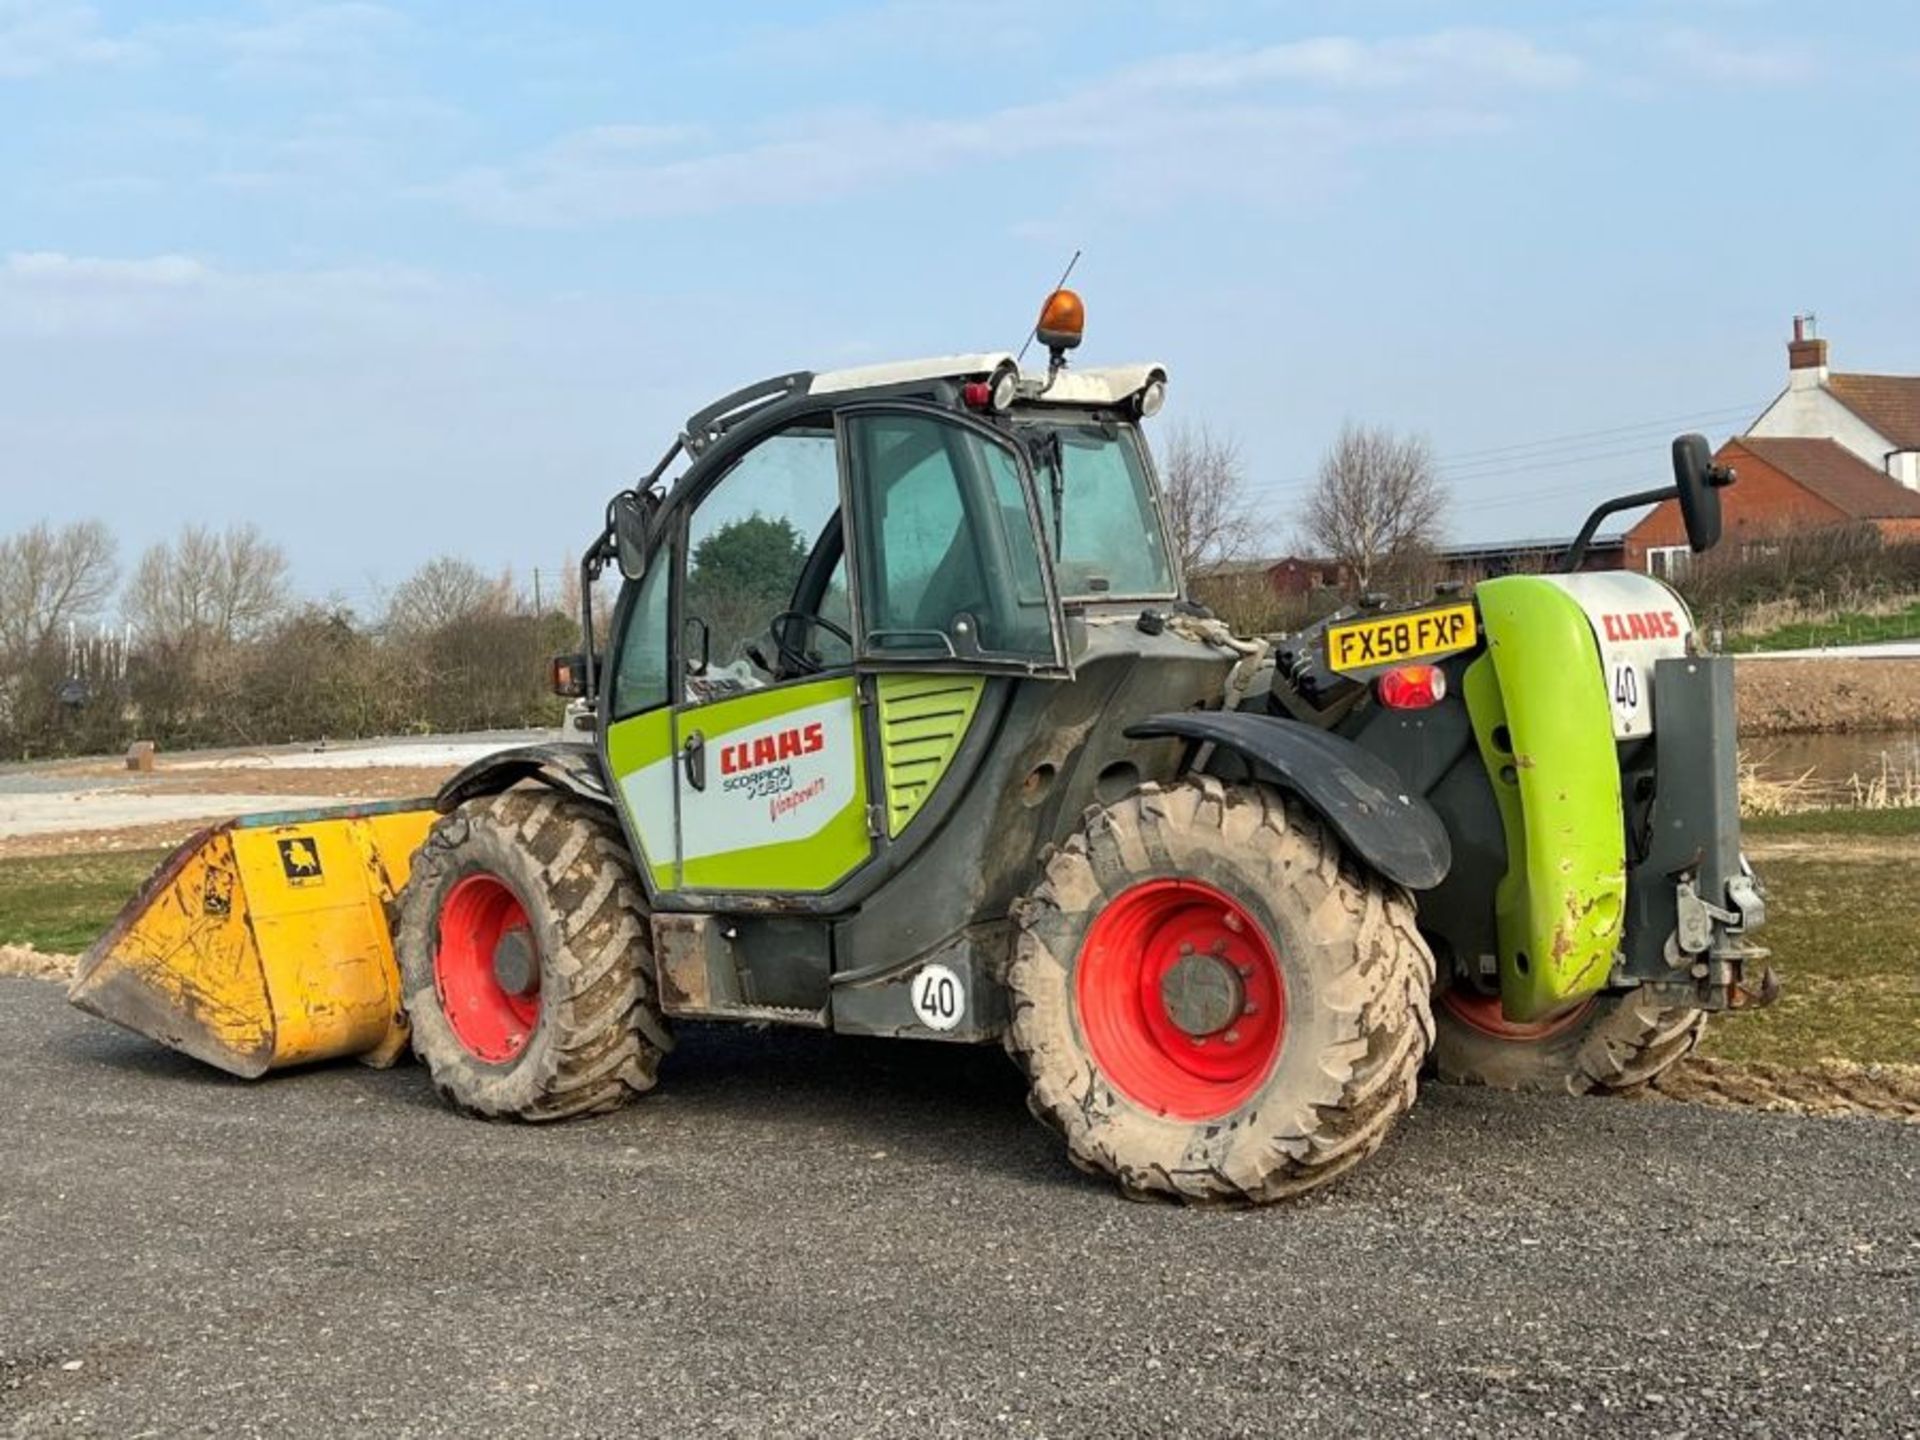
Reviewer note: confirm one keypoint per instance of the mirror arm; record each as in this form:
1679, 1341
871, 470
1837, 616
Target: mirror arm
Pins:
1577, 551
652, 477
591, 564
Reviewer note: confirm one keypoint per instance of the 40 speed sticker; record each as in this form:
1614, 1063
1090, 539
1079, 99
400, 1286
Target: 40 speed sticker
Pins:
939, 997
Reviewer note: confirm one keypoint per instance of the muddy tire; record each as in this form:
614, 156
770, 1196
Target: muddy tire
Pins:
524, 960
1617, 1043
1212, 1001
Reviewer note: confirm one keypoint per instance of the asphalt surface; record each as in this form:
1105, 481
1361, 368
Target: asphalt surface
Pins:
802, 1235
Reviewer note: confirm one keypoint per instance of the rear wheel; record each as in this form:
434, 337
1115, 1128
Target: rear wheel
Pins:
1611, 1043
1212, 1001
524, 960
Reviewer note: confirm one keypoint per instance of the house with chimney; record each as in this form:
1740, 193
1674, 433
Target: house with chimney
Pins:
1835, 448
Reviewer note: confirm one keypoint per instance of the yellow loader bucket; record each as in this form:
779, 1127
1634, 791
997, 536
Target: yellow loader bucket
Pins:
264, 942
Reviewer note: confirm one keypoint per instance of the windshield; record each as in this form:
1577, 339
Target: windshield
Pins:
1098, 508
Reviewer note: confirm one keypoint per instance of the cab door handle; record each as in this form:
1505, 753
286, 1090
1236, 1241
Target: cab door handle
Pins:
694, 753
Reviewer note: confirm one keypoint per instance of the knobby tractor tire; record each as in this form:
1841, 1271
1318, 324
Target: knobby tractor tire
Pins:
1355, 975
1617, 1043
597, 1037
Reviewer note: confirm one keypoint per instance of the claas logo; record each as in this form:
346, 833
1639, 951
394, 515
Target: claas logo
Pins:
1641, 625
769, 749
300, 861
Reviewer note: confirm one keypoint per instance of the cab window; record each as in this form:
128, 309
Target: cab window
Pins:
766, 595
949, 566
641, 680
1098, 505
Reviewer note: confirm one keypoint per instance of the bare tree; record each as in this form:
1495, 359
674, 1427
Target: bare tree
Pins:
207, 587
1377, 505
49, 579
1208, 508
442, 591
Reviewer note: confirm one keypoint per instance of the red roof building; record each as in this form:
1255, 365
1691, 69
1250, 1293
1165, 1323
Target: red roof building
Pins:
1832, 449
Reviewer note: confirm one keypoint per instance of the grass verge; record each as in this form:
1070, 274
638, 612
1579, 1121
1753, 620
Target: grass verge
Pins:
1845, 934
1851, 628
61, 903
1887, 823
1844, 926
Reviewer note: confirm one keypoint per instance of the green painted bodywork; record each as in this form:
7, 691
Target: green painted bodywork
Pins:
923, 719
643, 754
1540, 714
634, 745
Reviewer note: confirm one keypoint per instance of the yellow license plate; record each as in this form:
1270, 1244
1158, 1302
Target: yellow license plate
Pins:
1418, 635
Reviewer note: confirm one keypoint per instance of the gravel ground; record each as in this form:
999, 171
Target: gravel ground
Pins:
802, 1235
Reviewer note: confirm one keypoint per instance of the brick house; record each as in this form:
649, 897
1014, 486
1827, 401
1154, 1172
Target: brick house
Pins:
1832, 449
1286, 575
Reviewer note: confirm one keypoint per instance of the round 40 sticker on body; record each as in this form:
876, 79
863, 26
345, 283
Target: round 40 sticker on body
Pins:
939, 997
1626, 691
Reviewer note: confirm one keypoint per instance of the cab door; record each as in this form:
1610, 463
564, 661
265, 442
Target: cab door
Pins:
770, 780
824, 560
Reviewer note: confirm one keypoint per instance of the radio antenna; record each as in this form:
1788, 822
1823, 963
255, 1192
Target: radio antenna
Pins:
1036, 322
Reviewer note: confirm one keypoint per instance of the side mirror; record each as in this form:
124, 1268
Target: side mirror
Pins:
631, 518
567, 674
1698, 483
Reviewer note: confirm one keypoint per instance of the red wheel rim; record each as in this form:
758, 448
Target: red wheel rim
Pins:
1482, 1013
1170, 1055
483, 925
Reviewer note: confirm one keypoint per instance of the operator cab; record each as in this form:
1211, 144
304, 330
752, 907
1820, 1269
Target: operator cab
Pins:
982, 502
827, 542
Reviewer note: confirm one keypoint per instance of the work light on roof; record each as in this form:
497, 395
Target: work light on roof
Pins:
995, 394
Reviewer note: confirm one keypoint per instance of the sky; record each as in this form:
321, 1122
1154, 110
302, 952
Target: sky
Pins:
392, 280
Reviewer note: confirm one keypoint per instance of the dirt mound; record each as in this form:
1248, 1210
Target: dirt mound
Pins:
1786, 697
1830, 1087
24, 960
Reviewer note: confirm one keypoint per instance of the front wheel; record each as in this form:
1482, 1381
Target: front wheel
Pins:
524, 961
1611, 1043
1212, 1000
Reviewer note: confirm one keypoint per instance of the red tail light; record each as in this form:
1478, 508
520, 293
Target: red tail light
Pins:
1412, 687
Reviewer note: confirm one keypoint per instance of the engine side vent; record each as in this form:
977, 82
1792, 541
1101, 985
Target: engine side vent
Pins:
923, 719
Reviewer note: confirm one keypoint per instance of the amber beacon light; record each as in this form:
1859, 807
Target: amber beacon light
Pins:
1063, 319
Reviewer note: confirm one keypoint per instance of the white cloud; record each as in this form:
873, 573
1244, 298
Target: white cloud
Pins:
313, 35
1141, 119
1448, 58
48, 293
1003, 29
39, 36
51, 267
1714, 57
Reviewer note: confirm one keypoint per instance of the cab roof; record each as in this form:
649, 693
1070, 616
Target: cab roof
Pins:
1093, 388
1108, 385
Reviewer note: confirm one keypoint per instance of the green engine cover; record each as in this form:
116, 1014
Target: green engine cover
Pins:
1538, 699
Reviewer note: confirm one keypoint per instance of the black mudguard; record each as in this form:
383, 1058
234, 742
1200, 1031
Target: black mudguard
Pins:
1361, 796
562, 765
